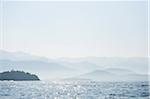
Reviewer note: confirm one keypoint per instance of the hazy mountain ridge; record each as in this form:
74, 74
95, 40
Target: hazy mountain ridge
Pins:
111, 75
136, 64
20, 56
72, 67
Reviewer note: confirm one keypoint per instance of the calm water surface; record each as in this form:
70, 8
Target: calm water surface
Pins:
73, 90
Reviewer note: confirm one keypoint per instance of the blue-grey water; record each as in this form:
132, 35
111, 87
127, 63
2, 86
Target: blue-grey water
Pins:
73, 90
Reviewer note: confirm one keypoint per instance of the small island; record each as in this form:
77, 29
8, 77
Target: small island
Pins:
18, 76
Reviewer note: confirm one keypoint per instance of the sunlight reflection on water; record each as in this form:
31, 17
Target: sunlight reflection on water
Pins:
73, 90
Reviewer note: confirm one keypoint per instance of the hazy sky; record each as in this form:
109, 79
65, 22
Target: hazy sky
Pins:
76, 29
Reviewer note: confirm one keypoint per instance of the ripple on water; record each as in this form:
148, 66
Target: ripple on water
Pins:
73, 90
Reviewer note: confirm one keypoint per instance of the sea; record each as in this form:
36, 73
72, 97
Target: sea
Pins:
73, 89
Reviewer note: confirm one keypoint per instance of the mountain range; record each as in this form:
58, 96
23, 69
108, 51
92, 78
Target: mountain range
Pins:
114, 75
96, 68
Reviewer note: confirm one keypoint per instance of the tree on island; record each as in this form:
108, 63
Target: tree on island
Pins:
17, 76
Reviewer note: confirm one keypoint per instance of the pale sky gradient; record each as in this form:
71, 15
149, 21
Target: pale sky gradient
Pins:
76, 29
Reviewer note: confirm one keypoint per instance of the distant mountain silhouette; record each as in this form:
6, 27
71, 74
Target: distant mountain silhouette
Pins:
119, 71
70, 67
20, 56
114, 74
17, 76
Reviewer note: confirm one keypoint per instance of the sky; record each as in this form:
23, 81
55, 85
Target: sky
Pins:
75, 29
